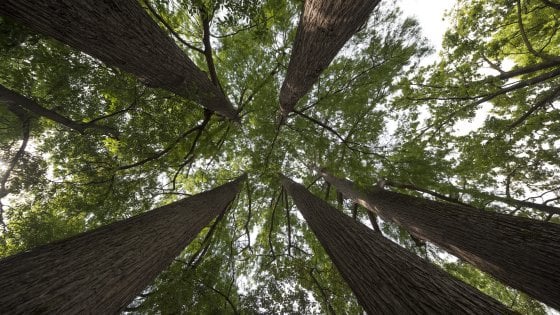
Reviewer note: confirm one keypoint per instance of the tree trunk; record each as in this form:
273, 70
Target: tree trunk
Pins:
385, 277
510, 201
520, 252
120, 33
100, 271
12, 98
324, 27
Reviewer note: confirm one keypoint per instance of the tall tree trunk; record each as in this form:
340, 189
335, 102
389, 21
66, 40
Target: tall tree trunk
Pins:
100, 271
520, 252
120, 33
508, 200
386, 278
324, 27
12, 98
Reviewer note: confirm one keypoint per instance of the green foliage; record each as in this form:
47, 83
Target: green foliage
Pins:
375, 113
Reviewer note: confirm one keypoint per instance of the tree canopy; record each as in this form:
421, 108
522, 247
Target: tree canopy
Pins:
85, 143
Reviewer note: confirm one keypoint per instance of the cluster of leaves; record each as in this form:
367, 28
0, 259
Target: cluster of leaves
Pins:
374, 111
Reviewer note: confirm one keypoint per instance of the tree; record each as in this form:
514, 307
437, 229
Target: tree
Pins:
103, 269
121, 34
385, 277
517, 251
324, 27
262, 256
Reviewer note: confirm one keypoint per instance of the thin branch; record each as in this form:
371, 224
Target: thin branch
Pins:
189, 157
25, 130
289, 223
519, 85
208, 47
323, 293
249, 214
430, 192
248, 27
196, 258
552, 4
272, 223
118, 112
545, 100
226, 297
342, 139
12, 98
170, 29
526, 39
164, 151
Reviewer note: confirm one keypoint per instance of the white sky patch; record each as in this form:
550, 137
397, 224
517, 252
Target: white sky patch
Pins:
430, 15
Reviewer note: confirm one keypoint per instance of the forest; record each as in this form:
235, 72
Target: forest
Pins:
278, 157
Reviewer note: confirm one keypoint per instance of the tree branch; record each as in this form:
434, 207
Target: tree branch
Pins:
208, 47
170, 29
15, 99
545, 100
164, 151
526, 39
552, 4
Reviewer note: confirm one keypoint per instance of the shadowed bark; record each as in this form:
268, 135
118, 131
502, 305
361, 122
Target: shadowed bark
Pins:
100, 271
324, 27
520, 252
386, 278
120, 33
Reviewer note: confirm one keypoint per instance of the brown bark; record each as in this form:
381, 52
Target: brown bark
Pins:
510, 201
13, 98
120, 33
324, 27
520, 252
100, 271
385, 277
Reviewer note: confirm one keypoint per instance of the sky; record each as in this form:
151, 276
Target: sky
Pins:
430, 14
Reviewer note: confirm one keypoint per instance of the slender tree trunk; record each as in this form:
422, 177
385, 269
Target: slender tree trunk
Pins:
385, 277
120, 33
510, 201
100, 271
520, 252
324, 27
12, 98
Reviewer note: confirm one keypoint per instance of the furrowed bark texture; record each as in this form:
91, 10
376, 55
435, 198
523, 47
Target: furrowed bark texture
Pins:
324, 27
520, 252
386, 278
100, 271
120, 33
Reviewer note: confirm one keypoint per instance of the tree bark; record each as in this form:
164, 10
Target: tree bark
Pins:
13, 98
385, 277
121, 34
508, 200
324, 27
520, 252
100, 271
